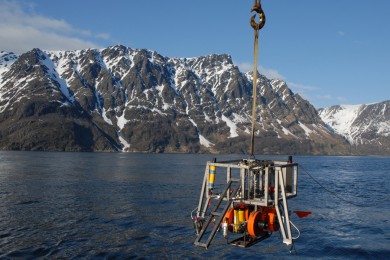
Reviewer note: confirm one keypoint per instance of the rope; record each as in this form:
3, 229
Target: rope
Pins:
192, 212
256, 51
256, 27
299, 232
341, 198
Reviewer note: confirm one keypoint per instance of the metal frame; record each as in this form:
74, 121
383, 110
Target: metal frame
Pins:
260, 183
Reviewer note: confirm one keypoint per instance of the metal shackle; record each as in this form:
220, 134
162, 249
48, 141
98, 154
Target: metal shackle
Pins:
257, 7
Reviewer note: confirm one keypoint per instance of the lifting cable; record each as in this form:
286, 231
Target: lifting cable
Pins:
385, 200
256, 27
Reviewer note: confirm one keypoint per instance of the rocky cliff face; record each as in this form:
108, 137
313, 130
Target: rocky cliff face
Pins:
366, 127
123, 99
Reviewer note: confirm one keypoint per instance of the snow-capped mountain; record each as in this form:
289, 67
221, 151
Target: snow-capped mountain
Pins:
362, 125
119, 98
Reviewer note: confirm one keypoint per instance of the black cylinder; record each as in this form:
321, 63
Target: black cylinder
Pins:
261, 225
289, 159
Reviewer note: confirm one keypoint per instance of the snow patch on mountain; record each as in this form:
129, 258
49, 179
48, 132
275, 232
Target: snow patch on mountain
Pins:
106, 119
384, 128
6, 60
359, 124
341, 118
231, 125
203, 141
54, 75
121, 121
125, 144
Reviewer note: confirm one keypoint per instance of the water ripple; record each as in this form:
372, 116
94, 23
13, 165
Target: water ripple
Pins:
135, 206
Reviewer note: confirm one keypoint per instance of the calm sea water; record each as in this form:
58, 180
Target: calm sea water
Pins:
118, 205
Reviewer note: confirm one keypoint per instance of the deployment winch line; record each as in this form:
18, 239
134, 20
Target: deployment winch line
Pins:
256, 27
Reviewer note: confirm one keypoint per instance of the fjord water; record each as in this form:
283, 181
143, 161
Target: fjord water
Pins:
119, 205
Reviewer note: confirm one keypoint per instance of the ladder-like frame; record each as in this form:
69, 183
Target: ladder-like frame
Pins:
217, 215
283, 176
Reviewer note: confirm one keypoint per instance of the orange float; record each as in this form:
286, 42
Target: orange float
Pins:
248, 210
253, 228
230, 218
273, 224
267, 220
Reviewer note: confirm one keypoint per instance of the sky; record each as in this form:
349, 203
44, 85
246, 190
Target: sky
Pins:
329, 52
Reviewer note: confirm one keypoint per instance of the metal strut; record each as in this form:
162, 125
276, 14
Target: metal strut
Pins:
217, 215
256, 27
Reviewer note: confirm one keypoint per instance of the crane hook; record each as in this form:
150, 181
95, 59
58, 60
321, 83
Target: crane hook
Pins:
257, 7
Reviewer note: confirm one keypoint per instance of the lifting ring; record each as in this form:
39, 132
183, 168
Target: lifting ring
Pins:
257, 7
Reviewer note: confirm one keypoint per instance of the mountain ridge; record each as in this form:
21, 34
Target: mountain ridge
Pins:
365, 126
123, 99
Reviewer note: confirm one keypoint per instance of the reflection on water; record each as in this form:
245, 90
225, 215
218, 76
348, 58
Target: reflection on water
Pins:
66, 205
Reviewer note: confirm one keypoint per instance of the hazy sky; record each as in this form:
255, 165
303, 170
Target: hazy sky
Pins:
330, 52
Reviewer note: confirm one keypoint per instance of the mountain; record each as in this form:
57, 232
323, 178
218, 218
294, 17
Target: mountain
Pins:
366, 127
124, 99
